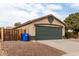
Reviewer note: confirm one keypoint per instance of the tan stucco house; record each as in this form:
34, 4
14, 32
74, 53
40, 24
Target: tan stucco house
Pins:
43, 28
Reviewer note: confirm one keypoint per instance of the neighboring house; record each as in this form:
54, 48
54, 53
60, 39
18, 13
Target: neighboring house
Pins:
44, 28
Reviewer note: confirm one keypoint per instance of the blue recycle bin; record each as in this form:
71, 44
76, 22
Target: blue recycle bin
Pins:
25, 37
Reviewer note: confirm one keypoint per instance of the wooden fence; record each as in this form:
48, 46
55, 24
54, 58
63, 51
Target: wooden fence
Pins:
0, 33
11, 34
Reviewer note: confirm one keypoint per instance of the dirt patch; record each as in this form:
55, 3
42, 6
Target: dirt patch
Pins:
19, 48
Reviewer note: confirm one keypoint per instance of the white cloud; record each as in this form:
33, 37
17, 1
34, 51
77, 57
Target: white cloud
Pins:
39, 1
38, 6
43, 8
9, 15
54, 7
19, 12
75, 5
46, 12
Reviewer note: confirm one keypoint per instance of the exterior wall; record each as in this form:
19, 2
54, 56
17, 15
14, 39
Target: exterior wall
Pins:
58, 23
30, 28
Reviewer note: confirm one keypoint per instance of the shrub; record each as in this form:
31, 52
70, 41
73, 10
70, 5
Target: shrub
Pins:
68, 34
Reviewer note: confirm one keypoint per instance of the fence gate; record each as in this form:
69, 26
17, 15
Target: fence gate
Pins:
11, 34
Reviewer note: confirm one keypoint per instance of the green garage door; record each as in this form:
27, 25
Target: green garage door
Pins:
44, 32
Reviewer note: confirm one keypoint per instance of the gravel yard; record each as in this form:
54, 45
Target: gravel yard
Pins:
19, 48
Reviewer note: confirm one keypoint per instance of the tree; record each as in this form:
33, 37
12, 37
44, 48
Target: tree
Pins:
72, 22
17, 24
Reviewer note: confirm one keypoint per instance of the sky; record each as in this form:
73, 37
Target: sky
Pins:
11, 13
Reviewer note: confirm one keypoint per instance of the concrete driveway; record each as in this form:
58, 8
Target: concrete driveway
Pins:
69, 46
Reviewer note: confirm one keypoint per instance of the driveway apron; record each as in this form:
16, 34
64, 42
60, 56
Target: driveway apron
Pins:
68, 46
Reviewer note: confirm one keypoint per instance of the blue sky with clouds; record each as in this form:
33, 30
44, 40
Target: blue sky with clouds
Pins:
22, 12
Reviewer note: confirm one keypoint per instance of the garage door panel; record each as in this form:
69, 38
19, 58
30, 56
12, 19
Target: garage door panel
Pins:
43, 32
47, 37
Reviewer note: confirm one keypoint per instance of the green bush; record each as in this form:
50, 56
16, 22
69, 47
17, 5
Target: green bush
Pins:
68, 35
